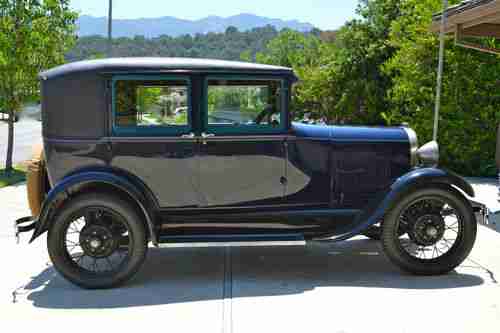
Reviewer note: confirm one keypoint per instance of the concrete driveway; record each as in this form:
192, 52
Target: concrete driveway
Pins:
343, 287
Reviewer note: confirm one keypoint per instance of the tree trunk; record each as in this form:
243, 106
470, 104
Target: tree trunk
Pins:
10, 143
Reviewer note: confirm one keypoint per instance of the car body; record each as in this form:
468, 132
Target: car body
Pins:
232, 167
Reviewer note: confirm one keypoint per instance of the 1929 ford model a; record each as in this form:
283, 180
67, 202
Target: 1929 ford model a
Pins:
176, 151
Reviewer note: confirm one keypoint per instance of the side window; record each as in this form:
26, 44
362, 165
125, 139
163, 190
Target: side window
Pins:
244, 105
156, 106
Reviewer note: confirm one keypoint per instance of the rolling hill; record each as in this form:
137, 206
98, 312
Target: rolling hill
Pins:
154, 27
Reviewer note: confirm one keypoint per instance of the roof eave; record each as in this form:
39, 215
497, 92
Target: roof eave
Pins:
476, 13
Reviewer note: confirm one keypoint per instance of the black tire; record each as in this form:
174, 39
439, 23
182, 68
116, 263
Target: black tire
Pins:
136, 247
374, 232
455, 254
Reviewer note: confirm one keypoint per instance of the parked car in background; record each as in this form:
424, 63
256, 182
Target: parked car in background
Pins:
234, 169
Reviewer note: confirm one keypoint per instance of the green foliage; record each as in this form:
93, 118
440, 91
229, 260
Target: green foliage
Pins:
34, 35
245, 99
291, 49
17, 175
361, 49
471, 99
229, 45
310, 58
381, 69
147, 97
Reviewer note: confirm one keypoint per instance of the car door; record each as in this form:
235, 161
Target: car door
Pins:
151, 136
242, 154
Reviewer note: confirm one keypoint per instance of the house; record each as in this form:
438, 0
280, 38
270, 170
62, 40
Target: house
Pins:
472, 18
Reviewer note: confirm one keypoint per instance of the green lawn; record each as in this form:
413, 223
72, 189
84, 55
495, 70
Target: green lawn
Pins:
17, 175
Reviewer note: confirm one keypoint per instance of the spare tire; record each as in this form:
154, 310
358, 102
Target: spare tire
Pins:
37, 181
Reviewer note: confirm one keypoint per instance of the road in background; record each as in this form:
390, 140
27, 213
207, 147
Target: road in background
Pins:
27, 133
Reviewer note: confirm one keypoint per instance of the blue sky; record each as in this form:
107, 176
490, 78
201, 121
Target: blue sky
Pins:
324, 14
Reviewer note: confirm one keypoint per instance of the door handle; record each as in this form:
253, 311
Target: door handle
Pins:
188, 136
205, 136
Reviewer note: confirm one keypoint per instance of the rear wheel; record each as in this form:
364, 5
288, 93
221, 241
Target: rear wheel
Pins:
97, 241
440, 231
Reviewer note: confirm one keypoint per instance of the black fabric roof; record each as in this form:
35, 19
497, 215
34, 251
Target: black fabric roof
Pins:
154, 64
462, 7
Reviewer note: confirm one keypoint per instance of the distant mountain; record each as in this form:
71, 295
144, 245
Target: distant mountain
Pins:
154, 27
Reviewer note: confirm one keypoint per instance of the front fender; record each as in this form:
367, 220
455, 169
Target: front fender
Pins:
72, 184
411, 181
432, 175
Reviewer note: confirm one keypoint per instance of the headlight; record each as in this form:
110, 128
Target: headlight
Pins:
428, 154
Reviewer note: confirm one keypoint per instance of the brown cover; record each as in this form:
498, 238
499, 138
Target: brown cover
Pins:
36, 179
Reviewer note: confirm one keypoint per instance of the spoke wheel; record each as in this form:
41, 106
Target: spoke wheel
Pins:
97, 241
440, 231
434, 228
93, 240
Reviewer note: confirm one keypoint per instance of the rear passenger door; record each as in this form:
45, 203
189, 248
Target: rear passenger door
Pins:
152, 136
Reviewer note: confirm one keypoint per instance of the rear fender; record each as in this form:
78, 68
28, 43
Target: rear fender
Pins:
74, 184
415, 179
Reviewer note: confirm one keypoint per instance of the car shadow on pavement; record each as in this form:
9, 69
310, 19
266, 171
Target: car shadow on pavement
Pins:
196, 274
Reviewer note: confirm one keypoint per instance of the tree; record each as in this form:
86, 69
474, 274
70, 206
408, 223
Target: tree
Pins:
34, 35
471, 99
362, 50
228, 45
291, 49
341, 78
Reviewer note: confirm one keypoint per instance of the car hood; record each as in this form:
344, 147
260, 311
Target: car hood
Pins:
351, 133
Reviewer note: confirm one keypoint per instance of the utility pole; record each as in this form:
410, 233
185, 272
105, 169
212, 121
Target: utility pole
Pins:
439, 87
110, 28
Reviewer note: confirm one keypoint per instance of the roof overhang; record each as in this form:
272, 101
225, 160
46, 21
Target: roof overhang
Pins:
473, 18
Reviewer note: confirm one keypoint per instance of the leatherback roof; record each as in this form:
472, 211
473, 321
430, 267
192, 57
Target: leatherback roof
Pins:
158, 64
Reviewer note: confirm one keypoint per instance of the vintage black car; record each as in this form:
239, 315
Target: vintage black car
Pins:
186, 152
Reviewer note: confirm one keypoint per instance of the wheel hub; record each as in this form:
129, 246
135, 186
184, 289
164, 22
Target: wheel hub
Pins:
95, 243
428, 229
98, 241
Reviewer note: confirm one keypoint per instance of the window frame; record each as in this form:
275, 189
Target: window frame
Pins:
244, 129
153, 130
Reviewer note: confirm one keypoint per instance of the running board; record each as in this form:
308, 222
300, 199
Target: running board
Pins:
231, 241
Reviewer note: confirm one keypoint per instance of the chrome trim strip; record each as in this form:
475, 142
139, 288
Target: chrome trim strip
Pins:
234, 244
413, 139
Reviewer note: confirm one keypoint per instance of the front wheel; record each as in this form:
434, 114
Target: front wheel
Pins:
97, 241
440, 231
